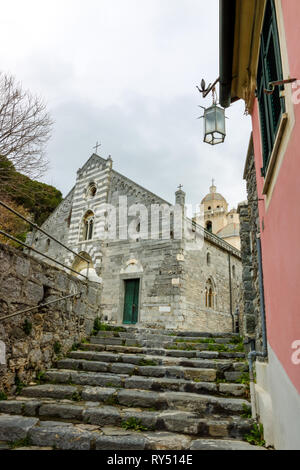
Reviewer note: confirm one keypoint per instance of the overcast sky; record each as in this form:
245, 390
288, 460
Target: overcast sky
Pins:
124, 72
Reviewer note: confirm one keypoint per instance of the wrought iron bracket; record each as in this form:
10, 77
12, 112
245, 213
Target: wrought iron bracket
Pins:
272, 85
205, 91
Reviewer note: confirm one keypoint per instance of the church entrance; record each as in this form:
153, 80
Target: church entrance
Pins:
131, 303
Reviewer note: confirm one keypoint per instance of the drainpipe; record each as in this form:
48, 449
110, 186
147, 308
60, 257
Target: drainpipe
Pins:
264, 353
230, 291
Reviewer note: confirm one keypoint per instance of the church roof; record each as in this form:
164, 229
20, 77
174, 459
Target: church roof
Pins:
213, 195
230, 230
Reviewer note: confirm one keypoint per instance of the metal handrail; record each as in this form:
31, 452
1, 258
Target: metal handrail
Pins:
40, 306
48, 235
40, 253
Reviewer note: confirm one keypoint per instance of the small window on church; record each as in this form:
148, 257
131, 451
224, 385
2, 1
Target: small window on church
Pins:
209, 208
208, 259
209, 295
92, 190
233, 271
88, 226
209, 226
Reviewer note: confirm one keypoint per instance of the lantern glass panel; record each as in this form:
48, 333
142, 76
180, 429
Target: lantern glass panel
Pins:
209, 120
214, 125
220, 120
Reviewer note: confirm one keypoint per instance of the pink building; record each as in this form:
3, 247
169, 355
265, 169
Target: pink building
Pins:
259, 44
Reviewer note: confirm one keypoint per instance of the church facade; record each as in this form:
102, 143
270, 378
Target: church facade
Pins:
165, 272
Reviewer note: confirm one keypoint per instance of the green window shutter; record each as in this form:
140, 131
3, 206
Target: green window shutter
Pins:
271, 107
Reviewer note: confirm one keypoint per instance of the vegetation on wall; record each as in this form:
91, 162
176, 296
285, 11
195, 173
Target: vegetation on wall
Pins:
32, 199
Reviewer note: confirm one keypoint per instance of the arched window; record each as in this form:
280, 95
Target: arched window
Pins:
210, 298
91, 190
209, 226
210, 295
88, 225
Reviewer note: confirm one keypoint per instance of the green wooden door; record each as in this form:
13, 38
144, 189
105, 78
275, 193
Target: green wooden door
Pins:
131, 304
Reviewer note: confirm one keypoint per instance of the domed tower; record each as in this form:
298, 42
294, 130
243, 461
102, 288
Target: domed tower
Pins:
215, 210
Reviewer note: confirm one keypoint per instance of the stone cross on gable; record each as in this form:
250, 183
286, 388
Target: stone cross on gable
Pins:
96, 146
180, 187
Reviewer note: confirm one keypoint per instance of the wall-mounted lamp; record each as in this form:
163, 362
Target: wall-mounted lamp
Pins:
214, 117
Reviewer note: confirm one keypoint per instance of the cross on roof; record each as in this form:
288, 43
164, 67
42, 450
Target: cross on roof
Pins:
213, 182
96, 146
180, 187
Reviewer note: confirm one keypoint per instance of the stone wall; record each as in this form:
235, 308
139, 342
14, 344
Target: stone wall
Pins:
249, 230
26, 282
210, 264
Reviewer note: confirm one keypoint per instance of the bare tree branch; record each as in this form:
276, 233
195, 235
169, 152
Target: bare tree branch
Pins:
25, 128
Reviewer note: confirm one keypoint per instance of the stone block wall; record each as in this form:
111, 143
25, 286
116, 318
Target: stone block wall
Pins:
158, 266
26, 282
249, 230
197, 271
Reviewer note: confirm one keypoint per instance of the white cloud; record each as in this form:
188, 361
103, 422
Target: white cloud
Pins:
125, 72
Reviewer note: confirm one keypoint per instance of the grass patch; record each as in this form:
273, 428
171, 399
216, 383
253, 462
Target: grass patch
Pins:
20, 443
111, 401
221, 381
197, 341
239, 348
40, 377
84, 341
244, 379
256, 436
133, 424
75, 346
247, 412
19, 385
76, 396
236, 340
147, 362
3, 396
57, 347
27, 327
99, 326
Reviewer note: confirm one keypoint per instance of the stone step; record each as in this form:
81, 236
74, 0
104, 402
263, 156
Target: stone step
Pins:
193, 373
69, 436
201, 404
147, 383
162, 352
148, 360
222, 444
144, 336
170, 420
164, 343
201, 382
208, 371
166, 332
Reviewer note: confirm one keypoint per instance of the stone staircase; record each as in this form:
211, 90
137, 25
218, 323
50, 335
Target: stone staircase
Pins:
136, 389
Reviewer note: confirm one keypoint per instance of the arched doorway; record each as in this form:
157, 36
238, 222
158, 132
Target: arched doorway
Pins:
82, 267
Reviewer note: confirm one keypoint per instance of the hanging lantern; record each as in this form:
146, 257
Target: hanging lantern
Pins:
214, 125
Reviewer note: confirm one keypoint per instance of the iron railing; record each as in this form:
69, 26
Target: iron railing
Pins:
77, 295
30, 247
